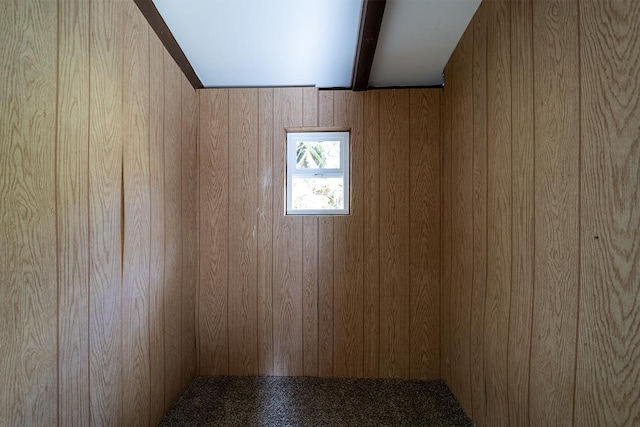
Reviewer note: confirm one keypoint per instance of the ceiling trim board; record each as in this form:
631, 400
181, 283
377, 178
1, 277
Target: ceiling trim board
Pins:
260, 87
370, 23
440, 86
335, 88
160, 27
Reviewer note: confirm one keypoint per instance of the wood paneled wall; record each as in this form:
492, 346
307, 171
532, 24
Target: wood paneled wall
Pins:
97, 217
353, 295
541, 214
493, 238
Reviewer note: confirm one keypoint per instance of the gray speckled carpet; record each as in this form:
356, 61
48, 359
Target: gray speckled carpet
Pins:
310, 401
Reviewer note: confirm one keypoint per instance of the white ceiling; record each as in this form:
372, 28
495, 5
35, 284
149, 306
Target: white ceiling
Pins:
266, 42
247, 43
417, 39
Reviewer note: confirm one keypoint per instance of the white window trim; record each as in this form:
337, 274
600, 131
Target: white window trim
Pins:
341, 172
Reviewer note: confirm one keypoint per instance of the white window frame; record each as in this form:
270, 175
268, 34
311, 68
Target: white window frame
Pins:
342, 172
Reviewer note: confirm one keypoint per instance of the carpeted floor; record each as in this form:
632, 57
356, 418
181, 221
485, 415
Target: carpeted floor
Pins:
308, 401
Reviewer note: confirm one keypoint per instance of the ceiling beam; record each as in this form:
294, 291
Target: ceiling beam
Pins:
370, 23
154, 18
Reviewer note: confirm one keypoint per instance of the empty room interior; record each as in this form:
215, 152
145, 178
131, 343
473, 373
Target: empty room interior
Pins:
482, 225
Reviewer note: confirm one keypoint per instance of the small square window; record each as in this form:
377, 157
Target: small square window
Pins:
318, 173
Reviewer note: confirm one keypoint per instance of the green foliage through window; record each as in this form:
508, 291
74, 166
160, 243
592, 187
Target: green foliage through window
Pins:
318, 173
317, 155
309, 155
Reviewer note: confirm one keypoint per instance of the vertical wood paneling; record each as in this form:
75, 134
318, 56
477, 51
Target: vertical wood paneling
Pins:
173, 229
445, 236
105, 213
318, 294
498, 289
371, 229
72, 213
325, 262
287, 244
557, 145
609, 344
157, 221
462, 223
243, 201
189, 221
571, 205
325, 297
348, 251
554, 92
310, 258
450, 293
604, 386
477, 410
213, 351
28, 365
394, 234
83, 163
265, 230
189, 228
522, 199
425, 234
318, 277
137, 233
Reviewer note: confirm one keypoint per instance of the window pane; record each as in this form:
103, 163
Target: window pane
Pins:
318, 155
317, 193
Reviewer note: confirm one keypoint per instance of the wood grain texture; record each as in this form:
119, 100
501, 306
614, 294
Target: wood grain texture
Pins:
156, 256
79, 185
555, 162
325, 262
213, 349
371, 230
498, 290
310, 113
609, 320
28, 291
287, 245
265, 231
522, 208
445, 236
347, 249
556, 277
173, 230
313, 273
189, 127
137, 229
479, 284
452, 291
425, 140
462, 223
105, 213
325, 297
243, 201
310, 294
310, 257
72, 183
394, 234
606, 37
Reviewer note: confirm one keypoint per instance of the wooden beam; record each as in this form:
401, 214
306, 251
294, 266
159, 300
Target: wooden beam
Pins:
370, 23
154, 18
